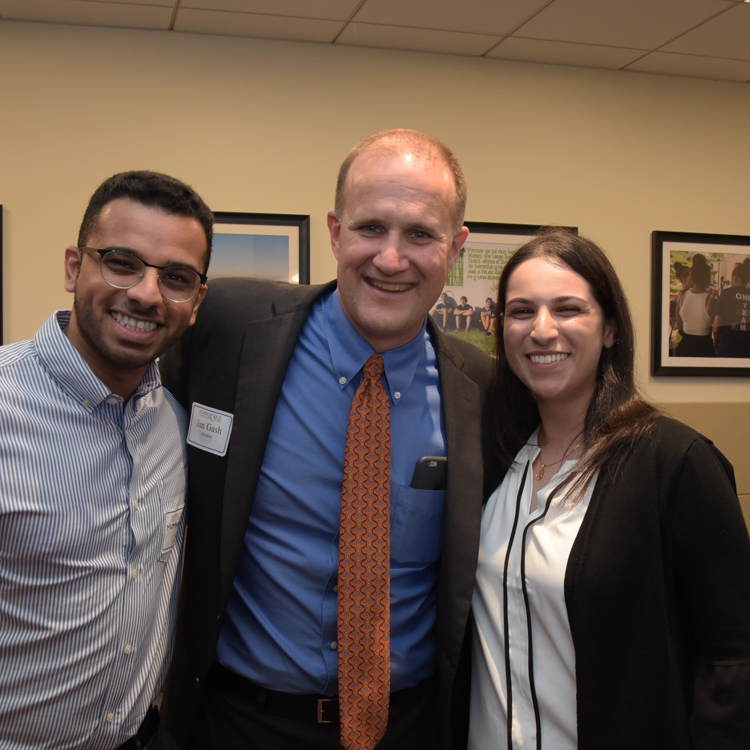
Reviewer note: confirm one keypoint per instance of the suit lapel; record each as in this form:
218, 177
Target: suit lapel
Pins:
267, 349
461, 399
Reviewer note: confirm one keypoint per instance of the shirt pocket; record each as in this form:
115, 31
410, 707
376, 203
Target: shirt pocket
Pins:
173, 510
417, 526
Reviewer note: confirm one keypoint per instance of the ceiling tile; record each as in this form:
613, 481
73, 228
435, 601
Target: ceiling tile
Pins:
693, 66
163, 3
637, 24
86, 13
564, 53
257, 26
334, 10
728, 35
476, 16
416, 40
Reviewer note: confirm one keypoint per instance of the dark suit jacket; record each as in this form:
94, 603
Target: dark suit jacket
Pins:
235, 359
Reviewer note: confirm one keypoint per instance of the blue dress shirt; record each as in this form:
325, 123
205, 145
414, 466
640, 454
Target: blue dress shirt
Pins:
280, 627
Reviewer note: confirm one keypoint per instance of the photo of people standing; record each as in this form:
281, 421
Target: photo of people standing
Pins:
709, 313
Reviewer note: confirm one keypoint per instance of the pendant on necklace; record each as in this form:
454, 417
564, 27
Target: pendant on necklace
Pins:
540, 473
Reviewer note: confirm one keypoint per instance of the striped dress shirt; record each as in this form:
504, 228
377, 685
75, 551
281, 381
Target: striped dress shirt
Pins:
92, 493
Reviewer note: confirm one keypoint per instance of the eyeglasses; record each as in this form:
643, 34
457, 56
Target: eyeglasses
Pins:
123, 270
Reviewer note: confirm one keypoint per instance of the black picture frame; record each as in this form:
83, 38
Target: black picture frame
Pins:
721, 251
264, 246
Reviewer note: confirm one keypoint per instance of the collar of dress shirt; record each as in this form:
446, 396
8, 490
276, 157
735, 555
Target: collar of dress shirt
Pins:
349, 352
63, 362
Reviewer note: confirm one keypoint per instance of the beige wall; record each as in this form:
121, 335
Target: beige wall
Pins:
262, 126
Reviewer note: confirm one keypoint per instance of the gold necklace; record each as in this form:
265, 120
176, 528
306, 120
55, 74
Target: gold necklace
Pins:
540, 474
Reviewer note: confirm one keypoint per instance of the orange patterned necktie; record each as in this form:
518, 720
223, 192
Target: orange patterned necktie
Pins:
364, 583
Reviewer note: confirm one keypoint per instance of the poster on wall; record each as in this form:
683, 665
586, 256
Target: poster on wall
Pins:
261, 246
700, 304
467, 304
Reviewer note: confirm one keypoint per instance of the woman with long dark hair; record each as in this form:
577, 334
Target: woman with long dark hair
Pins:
612, 604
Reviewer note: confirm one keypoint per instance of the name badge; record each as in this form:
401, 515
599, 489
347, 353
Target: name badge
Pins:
210, 429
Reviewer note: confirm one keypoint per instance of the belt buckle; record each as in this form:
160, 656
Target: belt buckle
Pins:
323, 703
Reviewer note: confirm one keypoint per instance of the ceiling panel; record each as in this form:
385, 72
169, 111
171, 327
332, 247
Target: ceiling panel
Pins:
163, 3
714, 68
477, 16
564, 53
728, 35
638, 24
254, 25
695, 38
416, 40
335, 10
86, 13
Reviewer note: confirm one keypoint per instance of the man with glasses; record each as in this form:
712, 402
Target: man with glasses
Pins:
92, 477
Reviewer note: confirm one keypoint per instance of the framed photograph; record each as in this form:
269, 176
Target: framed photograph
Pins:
263, 246
474, 278
700, 304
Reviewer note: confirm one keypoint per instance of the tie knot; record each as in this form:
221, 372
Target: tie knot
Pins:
374, 367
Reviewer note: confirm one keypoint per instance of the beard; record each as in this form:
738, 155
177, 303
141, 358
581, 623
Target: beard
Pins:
90, 330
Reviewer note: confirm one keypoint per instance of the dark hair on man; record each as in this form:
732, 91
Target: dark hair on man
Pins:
403, 141
742, 271
154, 190
618, 415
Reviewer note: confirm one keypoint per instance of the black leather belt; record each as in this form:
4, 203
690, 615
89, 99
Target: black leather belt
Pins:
145, 732
318, 708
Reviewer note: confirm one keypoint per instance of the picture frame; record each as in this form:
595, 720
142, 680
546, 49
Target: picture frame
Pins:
679, 342
476, 273
261, 246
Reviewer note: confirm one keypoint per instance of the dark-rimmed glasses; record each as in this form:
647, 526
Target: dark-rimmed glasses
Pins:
123, 270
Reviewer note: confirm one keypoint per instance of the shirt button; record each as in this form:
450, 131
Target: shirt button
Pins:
397, 394
128, 649
342, 380
334, 645
135, 503
112, 400
110, 718
86, 402
336, 589
134, 574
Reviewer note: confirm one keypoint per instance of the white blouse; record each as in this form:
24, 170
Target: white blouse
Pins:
523, 662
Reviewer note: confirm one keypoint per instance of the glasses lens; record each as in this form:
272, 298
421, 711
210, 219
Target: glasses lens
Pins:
121, 270
178, 284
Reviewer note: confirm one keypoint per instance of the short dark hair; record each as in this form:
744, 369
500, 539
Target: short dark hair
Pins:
152, 189
742, 271
399, 141
618, 414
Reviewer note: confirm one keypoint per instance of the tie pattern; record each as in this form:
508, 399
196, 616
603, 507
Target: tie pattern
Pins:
364, 566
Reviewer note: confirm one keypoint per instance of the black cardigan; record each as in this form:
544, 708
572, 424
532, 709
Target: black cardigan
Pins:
658, 595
